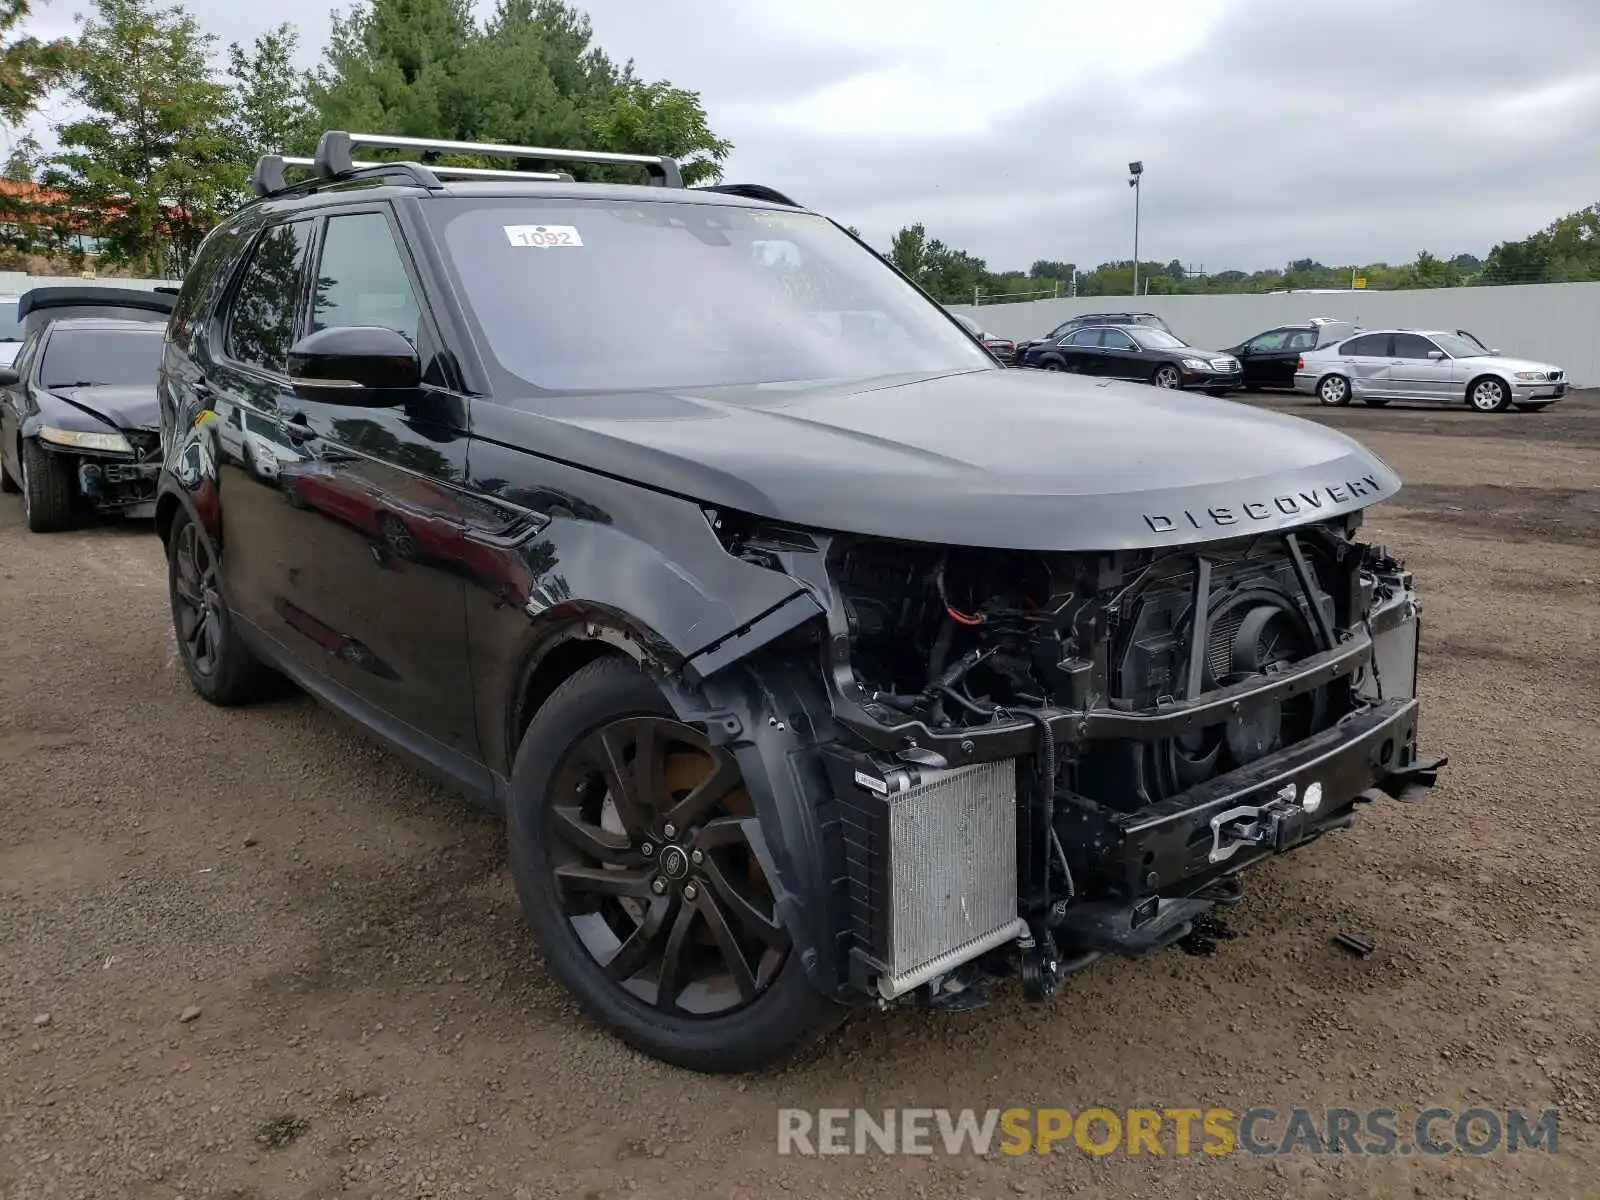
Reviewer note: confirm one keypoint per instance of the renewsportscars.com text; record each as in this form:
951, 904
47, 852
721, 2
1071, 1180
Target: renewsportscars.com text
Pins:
1166, 1131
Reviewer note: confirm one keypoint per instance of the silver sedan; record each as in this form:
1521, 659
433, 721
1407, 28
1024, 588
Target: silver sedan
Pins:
1377, 366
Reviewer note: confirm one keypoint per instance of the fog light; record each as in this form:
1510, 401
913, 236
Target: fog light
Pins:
1311, 799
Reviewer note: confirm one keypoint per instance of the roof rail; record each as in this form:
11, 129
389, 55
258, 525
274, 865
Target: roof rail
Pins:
334, 154
751, 191
335, 162
270, 177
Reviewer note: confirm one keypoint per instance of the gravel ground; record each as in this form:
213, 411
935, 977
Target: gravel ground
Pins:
249, 955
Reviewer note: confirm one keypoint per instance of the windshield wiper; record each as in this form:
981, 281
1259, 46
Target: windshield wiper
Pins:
77, 383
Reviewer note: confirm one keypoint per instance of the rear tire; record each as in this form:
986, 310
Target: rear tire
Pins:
8, 485
1488, 395
1333, 391
551, 791
220, 667
49, 500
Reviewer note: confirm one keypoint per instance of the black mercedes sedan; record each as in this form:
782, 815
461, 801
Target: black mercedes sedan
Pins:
1144, 355
79, 422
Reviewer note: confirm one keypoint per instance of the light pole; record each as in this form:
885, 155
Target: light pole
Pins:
1135, 174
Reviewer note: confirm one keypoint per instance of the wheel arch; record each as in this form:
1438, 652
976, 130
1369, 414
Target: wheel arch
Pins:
1497, 376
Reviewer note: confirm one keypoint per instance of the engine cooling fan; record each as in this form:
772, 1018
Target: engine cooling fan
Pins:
1249, 633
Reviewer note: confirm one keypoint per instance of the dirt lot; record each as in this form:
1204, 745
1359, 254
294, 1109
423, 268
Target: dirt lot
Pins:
372, 1022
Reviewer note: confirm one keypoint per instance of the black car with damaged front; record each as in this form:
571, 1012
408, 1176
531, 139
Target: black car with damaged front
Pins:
814, 662
78, 417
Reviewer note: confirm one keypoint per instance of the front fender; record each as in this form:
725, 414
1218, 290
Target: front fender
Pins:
602, 560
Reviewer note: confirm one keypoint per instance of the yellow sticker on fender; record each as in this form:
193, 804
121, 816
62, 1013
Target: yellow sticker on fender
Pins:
204, 415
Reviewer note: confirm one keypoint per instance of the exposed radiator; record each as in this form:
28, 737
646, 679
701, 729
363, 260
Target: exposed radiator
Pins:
933, 872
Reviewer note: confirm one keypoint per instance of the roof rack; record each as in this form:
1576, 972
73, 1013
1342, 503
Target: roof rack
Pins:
335, 162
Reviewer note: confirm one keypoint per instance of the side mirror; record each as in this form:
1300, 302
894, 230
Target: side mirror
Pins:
8, 376
1436, 355
367, 366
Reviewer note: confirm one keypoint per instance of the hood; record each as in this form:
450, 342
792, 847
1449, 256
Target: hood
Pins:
124, 407
998, 458
1500, 362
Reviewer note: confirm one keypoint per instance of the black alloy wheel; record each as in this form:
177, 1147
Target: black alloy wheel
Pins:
656, 871
220, 667
644, 872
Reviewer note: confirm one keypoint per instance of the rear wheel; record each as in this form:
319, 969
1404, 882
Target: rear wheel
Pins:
1488, 395
1167, 376
640, 865
221, 668
1334, 391
48, 499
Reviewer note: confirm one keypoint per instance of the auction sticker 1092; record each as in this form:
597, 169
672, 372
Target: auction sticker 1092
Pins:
541, 237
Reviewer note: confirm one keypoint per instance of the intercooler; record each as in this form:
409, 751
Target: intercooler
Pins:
932, 871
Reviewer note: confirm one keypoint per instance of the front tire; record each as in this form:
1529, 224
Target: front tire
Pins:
1334, 391
1053, 364
1167, 377
635, 851
1488, 395
220, 667
48, 497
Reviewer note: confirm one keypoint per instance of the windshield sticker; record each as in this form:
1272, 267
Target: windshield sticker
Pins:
541, 236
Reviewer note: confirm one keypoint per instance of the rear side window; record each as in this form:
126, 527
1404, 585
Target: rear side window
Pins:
1371, 345
261, 323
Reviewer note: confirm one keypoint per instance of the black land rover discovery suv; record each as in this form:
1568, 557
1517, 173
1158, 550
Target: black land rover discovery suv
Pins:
814, 659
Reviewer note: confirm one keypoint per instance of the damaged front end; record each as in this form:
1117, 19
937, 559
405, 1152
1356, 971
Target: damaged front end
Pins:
1040, 758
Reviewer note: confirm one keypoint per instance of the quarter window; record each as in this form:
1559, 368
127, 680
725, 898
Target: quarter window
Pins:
262, 322
361, 278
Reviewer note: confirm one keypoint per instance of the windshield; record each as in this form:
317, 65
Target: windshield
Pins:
1458, 347
10, 327
86, 357
1156, 339
608, 295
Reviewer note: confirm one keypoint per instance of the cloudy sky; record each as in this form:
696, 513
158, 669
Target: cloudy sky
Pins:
1269, 129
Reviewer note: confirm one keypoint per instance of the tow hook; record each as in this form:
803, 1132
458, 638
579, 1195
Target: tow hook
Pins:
1279, 823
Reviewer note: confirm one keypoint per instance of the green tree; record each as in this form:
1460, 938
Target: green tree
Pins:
529, 76
271, 114
28, 67
152, 155
908, 250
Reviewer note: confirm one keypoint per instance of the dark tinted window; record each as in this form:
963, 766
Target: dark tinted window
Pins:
1274, 340
201, 283
1411, 345
1372, 345
1115, 339
361, 278
620, 294
261, 324
92, 356
1084, 337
